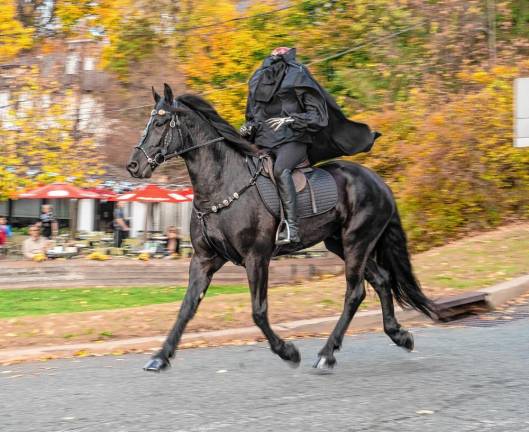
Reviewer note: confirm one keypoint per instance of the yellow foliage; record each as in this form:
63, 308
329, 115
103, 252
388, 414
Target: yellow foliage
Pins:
451, 160
14, 37
39, 257
97, 256
39, 137
144, 256
218, 63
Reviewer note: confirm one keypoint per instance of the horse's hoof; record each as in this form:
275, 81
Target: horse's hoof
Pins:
291, 355
323, 363
408, 343
156, 364
292, 364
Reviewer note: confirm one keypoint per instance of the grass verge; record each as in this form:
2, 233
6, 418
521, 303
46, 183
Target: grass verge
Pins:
32, 302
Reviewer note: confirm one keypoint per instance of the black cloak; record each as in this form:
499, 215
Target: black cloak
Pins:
339, 137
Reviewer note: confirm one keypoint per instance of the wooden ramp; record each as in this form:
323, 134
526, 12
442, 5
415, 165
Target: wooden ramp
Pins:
463, 304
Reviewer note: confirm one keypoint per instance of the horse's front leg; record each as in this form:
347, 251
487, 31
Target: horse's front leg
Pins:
257, 271
201, 271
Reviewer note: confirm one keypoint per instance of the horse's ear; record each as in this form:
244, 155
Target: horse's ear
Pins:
168, 93
155, 95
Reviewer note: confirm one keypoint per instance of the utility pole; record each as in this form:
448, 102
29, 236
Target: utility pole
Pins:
491, 25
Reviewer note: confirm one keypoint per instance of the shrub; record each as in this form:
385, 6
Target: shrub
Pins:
450, 158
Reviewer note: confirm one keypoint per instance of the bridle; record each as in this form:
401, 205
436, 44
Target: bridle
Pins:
163, 155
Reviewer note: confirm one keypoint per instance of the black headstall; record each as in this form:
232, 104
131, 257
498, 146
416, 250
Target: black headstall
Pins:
160, 157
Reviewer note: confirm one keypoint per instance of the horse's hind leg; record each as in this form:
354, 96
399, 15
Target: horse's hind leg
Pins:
379, 279
355, 250
257, 271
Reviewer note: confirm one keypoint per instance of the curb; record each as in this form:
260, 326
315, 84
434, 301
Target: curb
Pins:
365, 320
499, 294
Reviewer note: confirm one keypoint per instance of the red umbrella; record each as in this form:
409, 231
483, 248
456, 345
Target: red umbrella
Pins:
61, 191
104, 194
187, 192
58, 191
154, 194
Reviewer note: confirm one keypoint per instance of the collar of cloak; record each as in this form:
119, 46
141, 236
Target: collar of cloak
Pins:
272, 73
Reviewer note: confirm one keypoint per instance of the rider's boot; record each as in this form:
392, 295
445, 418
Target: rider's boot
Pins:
287, 193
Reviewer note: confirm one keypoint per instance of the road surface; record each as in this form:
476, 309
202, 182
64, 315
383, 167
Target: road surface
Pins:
465, 378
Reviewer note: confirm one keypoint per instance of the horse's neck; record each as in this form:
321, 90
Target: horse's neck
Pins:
216, 172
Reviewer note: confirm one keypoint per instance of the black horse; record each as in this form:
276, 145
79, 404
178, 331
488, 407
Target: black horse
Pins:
230, 222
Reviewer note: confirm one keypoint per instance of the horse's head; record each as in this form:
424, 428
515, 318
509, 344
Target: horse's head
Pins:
161, 138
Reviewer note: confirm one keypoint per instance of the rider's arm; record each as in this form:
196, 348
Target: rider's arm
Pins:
249, 113
247, 130
315, 116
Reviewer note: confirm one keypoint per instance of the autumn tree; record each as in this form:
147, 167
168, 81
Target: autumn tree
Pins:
217, 61
38, 146
130, 29
14, 37
451, 160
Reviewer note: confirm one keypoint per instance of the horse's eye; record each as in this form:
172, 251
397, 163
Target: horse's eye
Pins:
161, 112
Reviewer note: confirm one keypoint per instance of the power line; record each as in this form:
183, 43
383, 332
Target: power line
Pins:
356, 48
333, 56
316, 61
273, 11
198, 27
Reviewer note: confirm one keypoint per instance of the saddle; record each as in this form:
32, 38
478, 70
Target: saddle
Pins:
316, 189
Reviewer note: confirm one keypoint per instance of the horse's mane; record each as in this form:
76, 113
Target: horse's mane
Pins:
202, 107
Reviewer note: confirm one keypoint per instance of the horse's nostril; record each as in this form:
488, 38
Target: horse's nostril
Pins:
132, 168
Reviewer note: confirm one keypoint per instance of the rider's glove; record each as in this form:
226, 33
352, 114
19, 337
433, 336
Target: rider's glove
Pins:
277, 122
247, 130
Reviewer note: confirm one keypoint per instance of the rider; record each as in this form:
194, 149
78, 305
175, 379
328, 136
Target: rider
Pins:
285, 111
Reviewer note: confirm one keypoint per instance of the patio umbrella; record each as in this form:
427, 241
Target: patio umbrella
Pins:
187, 192
58, 191
154, 194
104, 194
151, 194
61, 191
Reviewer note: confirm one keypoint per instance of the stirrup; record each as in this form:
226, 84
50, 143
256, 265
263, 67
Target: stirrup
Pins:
283, 223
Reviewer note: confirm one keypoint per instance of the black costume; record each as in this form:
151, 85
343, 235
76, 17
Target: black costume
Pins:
288, 113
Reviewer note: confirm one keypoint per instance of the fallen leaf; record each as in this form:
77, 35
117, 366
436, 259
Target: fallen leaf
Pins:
424, 412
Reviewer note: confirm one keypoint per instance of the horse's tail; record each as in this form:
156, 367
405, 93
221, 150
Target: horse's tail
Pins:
392, 254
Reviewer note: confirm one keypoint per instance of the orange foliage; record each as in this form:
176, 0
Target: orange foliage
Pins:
451, 160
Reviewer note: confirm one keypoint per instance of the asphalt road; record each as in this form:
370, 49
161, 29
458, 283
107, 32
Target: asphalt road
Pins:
459, 379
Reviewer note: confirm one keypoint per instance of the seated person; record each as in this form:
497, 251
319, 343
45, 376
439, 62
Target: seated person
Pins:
172, 247
35, 244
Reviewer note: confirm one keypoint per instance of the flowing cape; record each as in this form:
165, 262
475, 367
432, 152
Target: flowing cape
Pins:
341, 136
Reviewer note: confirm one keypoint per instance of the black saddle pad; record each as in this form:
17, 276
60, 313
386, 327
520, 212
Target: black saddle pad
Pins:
323, 186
